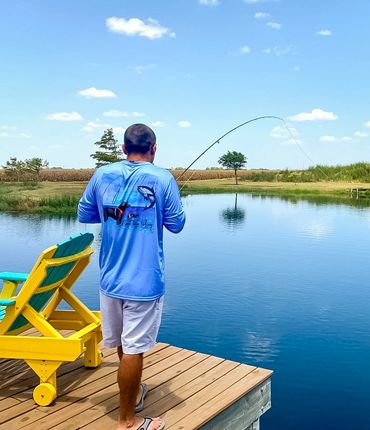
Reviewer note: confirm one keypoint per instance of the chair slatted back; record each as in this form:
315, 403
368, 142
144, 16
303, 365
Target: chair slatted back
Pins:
55, 274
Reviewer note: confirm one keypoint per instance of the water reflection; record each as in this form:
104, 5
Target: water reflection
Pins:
233, 217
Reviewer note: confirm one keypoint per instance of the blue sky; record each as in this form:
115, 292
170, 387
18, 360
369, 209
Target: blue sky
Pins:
192, 69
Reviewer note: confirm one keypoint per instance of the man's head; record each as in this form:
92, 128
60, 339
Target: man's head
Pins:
140, 142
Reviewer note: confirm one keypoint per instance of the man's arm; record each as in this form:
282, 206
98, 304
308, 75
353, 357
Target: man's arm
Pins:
174, 215
88, 211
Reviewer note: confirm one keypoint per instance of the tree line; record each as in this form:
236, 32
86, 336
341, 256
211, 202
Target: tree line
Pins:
18, 168
108, 151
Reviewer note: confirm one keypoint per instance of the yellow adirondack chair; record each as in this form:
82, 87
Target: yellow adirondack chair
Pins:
35, 306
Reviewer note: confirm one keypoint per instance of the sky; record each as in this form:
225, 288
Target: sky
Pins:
190, 69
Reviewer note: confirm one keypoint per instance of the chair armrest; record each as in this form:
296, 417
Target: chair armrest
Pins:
7, 302
11, 281
13, 276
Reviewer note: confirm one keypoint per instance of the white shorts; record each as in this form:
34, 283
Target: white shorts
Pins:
130, 324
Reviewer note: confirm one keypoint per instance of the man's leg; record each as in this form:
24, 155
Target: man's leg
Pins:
129, 378
119, 352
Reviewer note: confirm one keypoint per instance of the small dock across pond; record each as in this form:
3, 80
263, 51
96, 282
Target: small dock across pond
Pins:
188, 389
360, 192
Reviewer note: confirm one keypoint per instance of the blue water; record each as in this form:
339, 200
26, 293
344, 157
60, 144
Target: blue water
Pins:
270, 282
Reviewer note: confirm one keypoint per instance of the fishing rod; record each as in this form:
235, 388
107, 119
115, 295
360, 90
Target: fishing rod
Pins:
258, 118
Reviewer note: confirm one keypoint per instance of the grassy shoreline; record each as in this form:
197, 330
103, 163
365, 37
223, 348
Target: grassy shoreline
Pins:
61, 198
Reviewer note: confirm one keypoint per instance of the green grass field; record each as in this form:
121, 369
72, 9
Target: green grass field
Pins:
62, 197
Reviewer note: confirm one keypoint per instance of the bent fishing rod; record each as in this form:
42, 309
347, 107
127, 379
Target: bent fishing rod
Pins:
258, 118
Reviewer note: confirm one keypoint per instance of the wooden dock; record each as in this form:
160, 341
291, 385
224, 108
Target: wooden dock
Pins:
189, 390
359, 192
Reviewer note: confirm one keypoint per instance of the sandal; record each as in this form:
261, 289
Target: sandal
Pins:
147, 421
140, 406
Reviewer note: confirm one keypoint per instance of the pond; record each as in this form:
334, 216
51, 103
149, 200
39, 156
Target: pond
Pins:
273, 282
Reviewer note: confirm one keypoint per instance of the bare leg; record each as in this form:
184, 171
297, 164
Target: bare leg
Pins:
129, 377
119, 352
140, 391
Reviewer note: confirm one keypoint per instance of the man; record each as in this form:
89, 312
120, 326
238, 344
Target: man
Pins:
133, 200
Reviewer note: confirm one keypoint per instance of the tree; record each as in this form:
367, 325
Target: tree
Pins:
233, 160
35, 165
109, 149
14, 167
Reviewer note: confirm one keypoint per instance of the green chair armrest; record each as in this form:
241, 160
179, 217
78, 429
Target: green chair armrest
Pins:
13, 276
7, 302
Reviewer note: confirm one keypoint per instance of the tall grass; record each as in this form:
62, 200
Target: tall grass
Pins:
60, 204
353, 172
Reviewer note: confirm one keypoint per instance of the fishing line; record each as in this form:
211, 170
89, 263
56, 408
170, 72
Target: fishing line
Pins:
295, 140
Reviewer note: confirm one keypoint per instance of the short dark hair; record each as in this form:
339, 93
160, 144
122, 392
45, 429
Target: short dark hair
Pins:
139, 138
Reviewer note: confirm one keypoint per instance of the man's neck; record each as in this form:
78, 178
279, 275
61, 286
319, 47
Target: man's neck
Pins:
139, 157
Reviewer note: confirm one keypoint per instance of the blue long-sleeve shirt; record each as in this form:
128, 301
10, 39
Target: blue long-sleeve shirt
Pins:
132, 201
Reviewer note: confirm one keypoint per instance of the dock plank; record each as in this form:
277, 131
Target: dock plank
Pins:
26, 412
188, 389
223, 400
108, 400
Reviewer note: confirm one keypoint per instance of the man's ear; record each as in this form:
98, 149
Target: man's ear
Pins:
153, 149
124, 149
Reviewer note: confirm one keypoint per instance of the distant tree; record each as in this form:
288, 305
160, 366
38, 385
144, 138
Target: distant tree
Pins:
35, 165
233, 160
109, 150
15, 167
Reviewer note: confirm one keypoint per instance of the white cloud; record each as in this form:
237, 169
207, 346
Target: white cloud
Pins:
119, 130
253, 1
136, 27
314, 115
138, 114
92, 126
158, 124
94, 93
361, 134
324, 33
184, 124
328, 139
261, 15
209, 2
279, 50
282, 133
331, 139
64, 116
296, 69
367, 124
245, 50
115, 113
274, 25
4, 134
95, 125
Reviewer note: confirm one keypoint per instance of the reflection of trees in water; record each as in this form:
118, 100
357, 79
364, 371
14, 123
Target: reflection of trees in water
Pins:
233, 216
318, 200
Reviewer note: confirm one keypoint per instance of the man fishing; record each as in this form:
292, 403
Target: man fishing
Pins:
133, 200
